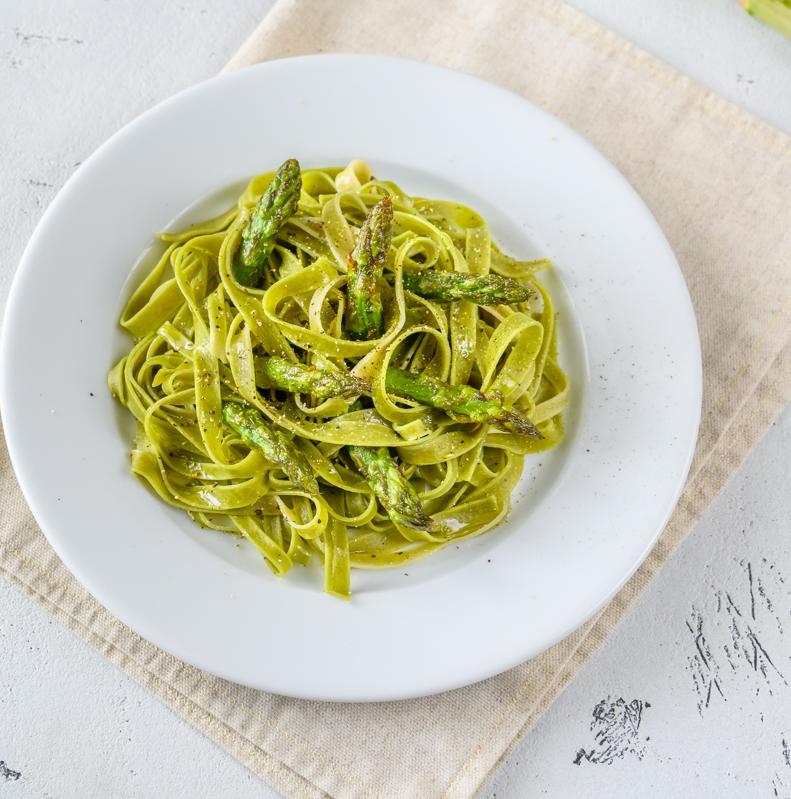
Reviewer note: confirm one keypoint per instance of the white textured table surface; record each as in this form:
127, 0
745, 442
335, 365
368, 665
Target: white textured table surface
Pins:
690, 695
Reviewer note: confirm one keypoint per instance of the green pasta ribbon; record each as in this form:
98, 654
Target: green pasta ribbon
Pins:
197, 335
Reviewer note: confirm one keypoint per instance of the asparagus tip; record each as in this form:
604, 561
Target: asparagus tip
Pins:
356, 385
518, 423
417, 520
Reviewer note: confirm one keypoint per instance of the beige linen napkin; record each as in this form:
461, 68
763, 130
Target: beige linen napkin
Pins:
718, 181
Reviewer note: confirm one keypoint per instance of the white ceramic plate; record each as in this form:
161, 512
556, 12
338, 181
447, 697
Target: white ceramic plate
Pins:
586, 514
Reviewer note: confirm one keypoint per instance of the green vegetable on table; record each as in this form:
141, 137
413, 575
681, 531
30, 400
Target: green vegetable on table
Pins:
463, 403
277, 447
480, 289
364, 319
393, 490
276, 205
776, 13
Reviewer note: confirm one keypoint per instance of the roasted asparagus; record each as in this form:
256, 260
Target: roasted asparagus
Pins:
277, 447
276, 205
364, 319
463, 403
393, 490
480, 289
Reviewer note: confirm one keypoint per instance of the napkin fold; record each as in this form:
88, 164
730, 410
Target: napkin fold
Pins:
718, 181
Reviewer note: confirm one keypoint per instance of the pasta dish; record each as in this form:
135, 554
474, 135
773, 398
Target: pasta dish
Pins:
335, 368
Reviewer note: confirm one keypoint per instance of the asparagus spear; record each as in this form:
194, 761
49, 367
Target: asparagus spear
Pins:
480, 289
393, 490
460, 402
776, 13
250, 424
276, 372
364, 313
276, 205
463, 403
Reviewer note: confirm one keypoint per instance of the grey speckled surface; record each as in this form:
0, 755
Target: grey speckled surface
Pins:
691, 694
